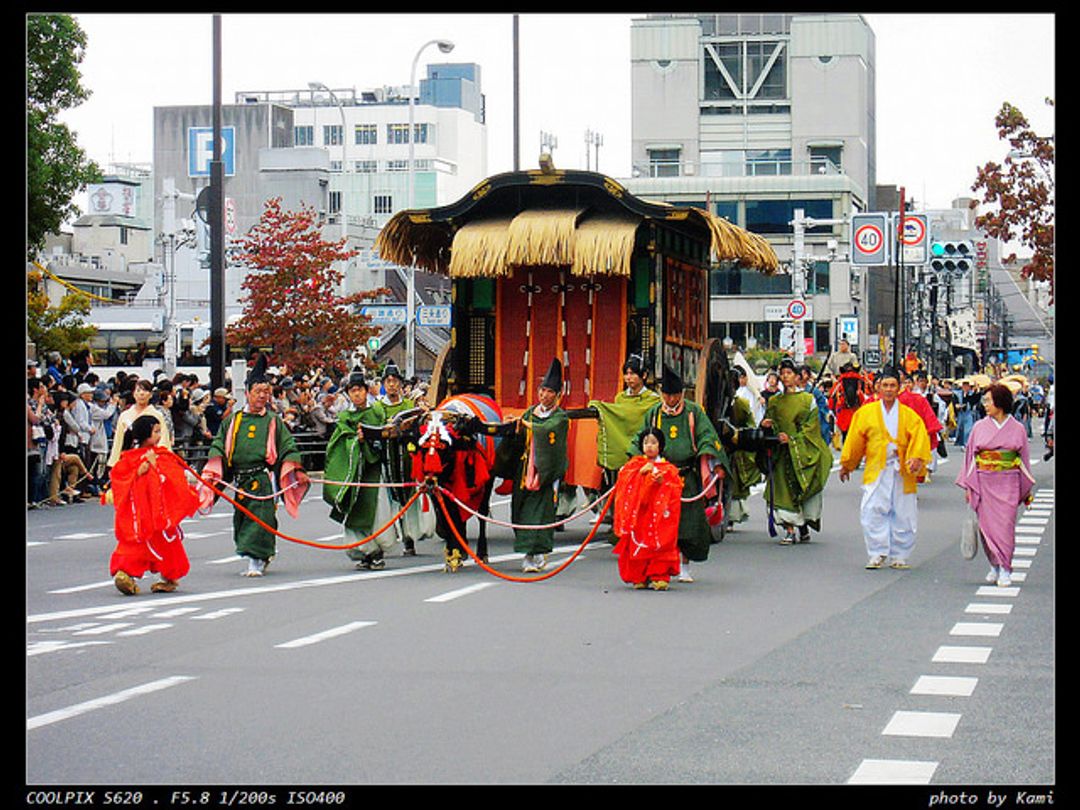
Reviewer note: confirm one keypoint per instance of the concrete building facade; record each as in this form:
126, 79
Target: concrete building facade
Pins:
758, 116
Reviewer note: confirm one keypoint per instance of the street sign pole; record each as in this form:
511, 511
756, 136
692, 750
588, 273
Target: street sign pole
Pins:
217, 226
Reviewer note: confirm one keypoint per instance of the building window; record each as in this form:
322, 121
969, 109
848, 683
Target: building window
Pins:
304, 136
123, 235
366, 134
397, 165
423, 132
335, 165
334, 202
397, 133
664, 162
366, 166
826, 159
753, 69
332, 135
817, 281
775, 216
383, 204
768, 162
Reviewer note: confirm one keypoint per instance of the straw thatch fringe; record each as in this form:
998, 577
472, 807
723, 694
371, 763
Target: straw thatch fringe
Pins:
480, 249
733, 243
542, 236
601, 245
423, 244
604, 246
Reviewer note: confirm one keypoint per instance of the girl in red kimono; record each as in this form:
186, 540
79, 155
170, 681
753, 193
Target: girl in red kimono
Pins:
151, 495
647, 509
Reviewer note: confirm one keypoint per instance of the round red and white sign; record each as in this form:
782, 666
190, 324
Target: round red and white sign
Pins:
796, 310
869, 239
913, 231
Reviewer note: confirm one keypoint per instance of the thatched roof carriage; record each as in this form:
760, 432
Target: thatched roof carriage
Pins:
568, 264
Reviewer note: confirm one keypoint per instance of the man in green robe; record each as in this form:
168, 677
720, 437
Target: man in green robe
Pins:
691, 444
802, 462
414, 524
619, 423
543, 464
353, 456
251, 449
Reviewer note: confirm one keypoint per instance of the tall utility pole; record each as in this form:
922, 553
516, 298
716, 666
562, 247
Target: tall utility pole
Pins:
517, 100
217, 230
798, 270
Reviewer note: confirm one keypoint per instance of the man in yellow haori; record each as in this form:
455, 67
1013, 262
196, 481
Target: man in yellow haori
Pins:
892, 439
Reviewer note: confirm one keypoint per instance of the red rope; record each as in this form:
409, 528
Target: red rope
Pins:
509, 577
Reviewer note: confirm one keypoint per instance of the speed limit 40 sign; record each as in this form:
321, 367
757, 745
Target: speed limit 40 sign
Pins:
869, 239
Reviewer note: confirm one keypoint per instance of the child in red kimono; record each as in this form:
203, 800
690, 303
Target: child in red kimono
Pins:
647, 509
151, 495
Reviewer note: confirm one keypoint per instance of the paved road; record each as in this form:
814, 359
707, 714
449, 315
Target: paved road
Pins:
778, 665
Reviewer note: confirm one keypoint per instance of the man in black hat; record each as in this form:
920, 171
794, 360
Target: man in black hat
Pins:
415, 524
691, 444
354, 457
542, 467
252, 449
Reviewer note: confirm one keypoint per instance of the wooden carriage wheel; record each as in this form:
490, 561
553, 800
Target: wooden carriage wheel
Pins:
713, 386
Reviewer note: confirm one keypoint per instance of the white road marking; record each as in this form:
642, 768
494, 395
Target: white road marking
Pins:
80, 536
99, 703
976, 629
944, 685
987, 607
147, 628
323, 636
893, 772
997, 590
102, 629
922, 724
217, 614
39, 647
962, 655
446, 597
258, 590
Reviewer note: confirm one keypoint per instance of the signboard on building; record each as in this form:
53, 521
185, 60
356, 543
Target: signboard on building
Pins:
200, 147
434, 315
111, 198
782, 312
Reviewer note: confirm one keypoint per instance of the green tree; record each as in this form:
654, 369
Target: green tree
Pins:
290, 302
61, 328
1021, 193
56, 166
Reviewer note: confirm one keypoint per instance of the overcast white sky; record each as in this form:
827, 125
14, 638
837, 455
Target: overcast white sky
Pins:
940, 80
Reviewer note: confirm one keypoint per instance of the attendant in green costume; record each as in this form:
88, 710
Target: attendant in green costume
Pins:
802, 463
619, 423
543, 464
691, 444
415, 524
355, 457
251, 449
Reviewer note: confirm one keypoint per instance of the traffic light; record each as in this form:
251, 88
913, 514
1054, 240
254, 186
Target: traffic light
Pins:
951, 257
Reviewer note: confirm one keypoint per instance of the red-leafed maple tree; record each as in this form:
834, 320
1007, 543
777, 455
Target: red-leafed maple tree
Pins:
1022, 193
291, 304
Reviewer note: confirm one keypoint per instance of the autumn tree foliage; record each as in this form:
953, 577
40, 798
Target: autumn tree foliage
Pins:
291, 301
1021, 193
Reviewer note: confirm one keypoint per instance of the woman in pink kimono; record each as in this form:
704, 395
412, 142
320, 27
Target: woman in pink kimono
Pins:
997, 477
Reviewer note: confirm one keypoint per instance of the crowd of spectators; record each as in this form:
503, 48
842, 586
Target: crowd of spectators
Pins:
72, 413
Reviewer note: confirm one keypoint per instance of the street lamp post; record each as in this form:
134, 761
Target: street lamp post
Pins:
344, 156
445, 46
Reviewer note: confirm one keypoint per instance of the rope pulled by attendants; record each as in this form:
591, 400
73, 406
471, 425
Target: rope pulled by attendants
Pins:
299, 540
510, 577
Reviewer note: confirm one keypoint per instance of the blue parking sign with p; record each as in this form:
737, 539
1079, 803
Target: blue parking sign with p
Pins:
201, 150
